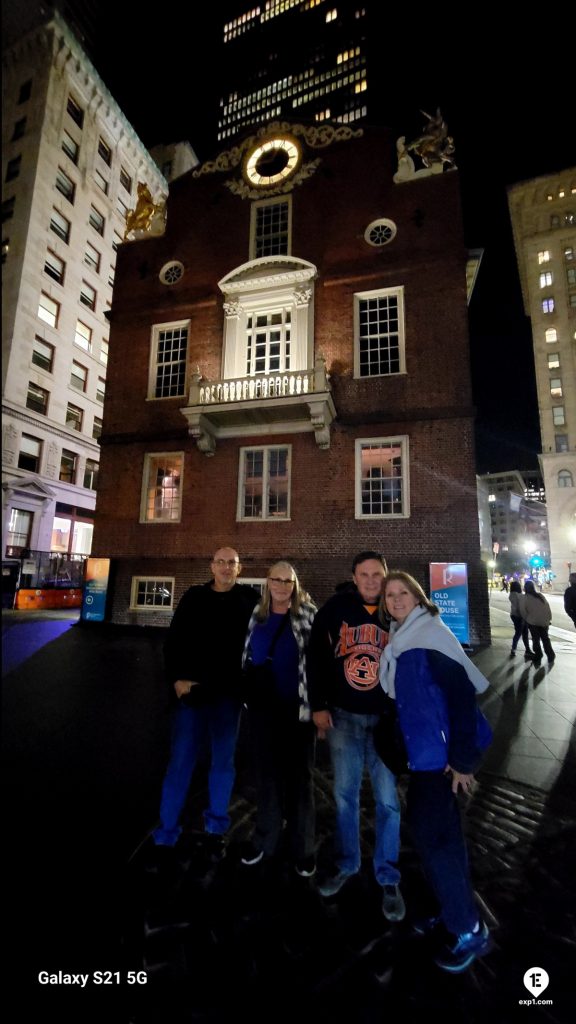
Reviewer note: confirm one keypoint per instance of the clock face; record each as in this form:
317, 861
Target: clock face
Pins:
272, 161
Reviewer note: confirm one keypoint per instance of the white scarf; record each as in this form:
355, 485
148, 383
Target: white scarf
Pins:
420, 629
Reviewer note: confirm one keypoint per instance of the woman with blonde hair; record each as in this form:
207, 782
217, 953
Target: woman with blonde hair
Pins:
280, 720
434, 684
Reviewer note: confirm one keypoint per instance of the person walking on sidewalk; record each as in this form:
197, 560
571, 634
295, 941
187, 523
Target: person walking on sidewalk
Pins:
535, 609
520, 625
434, 684
346, 644
203, 653
281, 728
570, 597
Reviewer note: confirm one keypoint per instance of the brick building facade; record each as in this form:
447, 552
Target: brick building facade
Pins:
289, 374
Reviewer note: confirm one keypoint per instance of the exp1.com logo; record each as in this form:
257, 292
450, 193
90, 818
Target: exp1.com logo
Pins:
536, 980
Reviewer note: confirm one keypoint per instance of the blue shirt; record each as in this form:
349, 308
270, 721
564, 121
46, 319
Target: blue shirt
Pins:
285, 657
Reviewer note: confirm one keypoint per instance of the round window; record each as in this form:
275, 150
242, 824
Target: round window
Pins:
171, 272
380, 232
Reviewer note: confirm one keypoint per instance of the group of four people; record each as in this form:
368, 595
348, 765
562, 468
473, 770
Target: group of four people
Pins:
378, 643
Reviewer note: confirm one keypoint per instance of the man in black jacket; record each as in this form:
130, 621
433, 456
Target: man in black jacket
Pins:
203, 654
346, 698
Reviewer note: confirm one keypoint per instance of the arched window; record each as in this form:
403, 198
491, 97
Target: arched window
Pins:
565, 478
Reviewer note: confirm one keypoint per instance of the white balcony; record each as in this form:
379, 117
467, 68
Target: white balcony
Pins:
291, 402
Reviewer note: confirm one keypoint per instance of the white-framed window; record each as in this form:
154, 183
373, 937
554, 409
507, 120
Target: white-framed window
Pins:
380, 232
104, 345
150, 593
548, 305
546, 279
74, 417
553, 360
78, 376
561, 442
37, 398
558, 416
544, 256
268, 338
54, 267
270, 227
379, 333
70, 147
551, 335
48, 310
30, 453
168, 354
171, 272
565, 478
83, 336
162, 487
264, 483
556, 387
42, 354
382, 478
18, 533
92, 257
60, 225
65, 185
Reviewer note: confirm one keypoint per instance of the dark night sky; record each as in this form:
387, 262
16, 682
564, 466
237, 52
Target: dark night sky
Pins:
508, 112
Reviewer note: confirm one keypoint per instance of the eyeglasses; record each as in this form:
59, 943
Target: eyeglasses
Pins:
278, 579
226, 561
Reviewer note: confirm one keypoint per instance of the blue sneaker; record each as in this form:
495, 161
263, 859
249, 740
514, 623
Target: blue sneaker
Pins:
465, 949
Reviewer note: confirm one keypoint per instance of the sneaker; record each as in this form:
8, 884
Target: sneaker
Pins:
306, 867
393, 906
466, 948
331, 884
251, 856
512, 653
528, 656
215, 846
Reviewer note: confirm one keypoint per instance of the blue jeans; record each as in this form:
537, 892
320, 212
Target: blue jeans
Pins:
352, 750
192, 725
433, 815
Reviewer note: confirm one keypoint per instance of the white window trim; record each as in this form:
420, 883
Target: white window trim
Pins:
240, 518
144, 493
276, 201
153, 365
380, 293
403, 441
147, 608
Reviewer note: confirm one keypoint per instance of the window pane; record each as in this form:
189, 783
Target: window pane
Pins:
43, 354
54, 267
271, 230
96, 220
70, 147
91, 474
18, 533
60, 226
381, 479
75, 111
37, 398
67, 466
163, 487
83, 336
78, 377
29, 455
171, 362
74, 417
65, 185
48, 310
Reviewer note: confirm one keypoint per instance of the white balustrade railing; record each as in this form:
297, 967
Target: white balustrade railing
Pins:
246, 389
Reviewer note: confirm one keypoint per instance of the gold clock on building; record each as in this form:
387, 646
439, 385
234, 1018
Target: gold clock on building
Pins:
272, 161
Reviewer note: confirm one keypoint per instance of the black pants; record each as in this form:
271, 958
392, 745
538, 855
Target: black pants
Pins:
520, 630
540, 639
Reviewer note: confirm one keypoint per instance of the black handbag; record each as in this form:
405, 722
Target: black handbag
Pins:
258, 682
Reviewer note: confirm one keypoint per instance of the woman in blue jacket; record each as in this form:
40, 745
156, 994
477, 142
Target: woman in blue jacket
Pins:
424, 669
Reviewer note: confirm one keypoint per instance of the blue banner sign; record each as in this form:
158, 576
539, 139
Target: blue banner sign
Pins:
95, 589
449, 590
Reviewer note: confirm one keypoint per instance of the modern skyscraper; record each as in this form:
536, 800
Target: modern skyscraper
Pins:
70, 168
543, 213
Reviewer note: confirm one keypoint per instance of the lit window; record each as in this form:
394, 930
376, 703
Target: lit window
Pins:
37, 398
48, 310
100, 389
104, 352
568, 253
13, 168
556, 387
83, 336
551, 335
75, 111
68, 463
54, 267
43, 354
569, 219
92, 257
65, 185
161, 487
74, 417
382, 477
546, 279
264, 483
78, 376
91, 474
379, 333
96, 220
18, 533
104, 151
152, 592
544, 256
270, 228
548, 305
29, 454
60, 226
553, 360
168, 360
88, 295
565, 478
558, 416
70, 147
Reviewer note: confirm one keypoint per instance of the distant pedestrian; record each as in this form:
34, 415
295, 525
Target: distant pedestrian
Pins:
570, 597
520, 625
203, 654
535, 609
